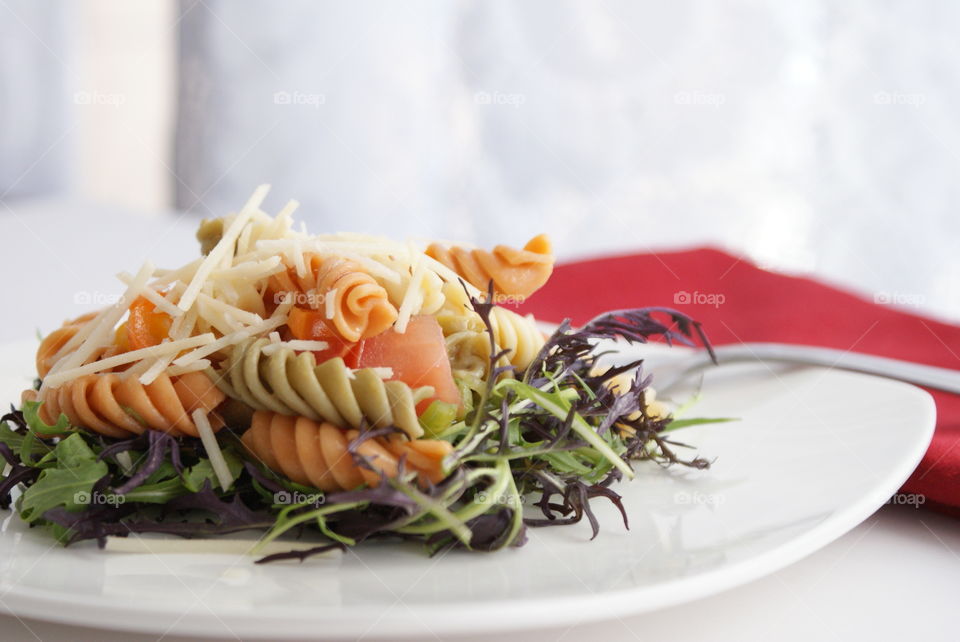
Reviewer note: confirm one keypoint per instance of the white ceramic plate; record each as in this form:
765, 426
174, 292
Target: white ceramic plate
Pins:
815, 453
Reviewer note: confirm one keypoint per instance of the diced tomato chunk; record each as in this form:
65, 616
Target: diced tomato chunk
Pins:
418, 357
312, 325
145, 327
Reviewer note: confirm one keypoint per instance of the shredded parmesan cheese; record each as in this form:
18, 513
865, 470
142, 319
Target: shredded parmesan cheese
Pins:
195, 366
236, 313
330, 303
210, 444
165, 277
362, 255
223, 249
410, 297
97, 333
232, 339
252, 269
57, 379
153, 296
301, 345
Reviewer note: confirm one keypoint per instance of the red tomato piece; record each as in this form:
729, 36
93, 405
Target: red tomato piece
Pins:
311, 325
417, 357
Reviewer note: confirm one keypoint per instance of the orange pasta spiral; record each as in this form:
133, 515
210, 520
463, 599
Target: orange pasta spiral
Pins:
51, 344
315, 454
114, 406
514, 272
361, 308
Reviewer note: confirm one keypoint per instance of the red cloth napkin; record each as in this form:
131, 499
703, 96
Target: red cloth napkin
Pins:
737, 301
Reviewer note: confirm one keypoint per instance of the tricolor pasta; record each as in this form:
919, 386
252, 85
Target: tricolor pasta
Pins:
291, 383
300, 326
117, 406
355, 305
513, 272
317, 454
395, 381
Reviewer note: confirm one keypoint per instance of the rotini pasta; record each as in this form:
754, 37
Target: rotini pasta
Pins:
115, 406
428, 288
359, 308
315, 454
513, 272
468, 344
518, 334
332, 357
469, 354
53, 343
293, 384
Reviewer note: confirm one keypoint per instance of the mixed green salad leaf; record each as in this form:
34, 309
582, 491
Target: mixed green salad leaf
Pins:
533, 449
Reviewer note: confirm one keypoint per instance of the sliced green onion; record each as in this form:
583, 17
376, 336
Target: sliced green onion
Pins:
438, 416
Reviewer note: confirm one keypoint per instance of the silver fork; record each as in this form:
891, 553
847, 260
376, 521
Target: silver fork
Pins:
923, 375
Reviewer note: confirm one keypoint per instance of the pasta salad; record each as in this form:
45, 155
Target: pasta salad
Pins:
333, 389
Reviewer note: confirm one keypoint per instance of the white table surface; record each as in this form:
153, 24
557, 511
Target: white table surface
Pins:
894, 577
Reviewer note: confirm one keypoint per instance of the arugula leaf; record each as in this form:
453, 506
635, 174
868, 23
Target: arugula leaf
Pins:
196, 476
31, 415
71, 488
10, 437
72, 452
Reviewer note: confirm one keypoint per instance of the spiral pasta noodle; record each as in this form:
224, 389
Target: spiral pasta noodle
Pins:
514, 272
52, 343
428, 288
468, 344
115, 406
518, 334
360, 307
288, 383
316, 454
469, 354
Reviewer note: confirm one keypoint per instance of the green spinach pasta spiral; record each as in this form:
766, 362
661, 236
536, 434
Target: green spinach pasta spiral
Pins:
294, 384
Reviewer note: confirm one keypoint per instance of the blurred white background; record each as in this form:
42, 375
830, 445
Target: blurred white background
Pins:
815, 137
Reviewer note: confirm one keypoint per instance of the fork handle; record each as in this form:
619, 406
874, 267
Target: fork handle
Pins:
920, 374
